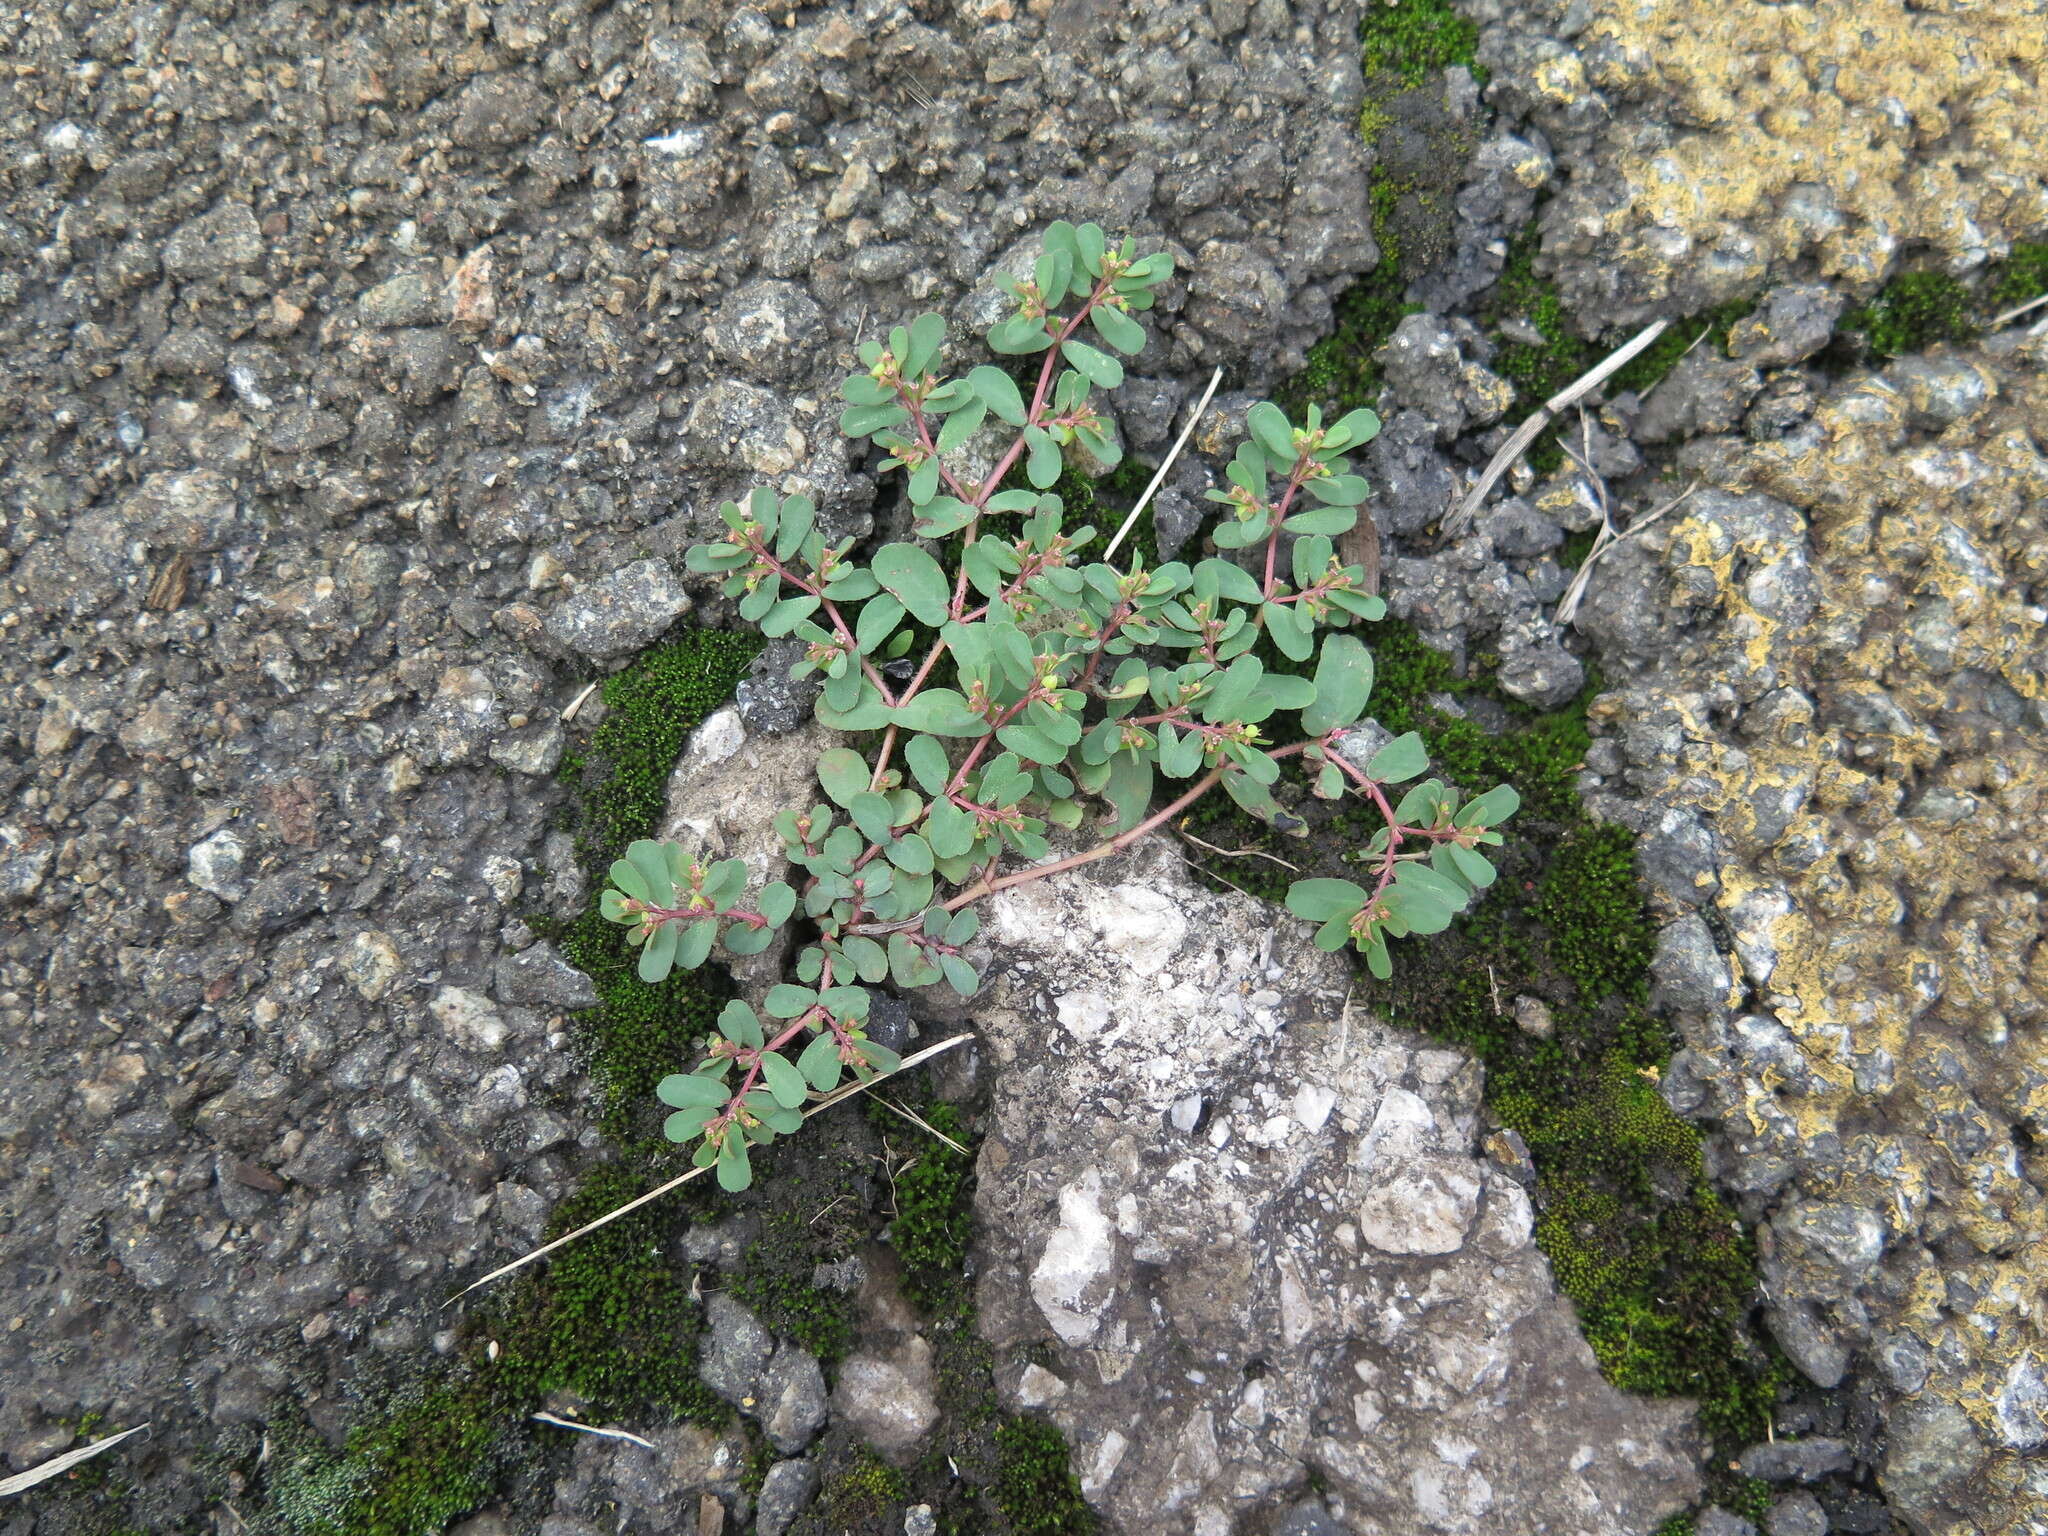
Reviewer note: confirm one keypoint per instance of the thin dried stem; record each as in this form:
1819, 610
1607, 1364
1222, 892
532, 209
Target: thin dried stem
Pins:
592, 1429
1568, 605
920, 1122
1461, 518
1234, 853
836, 1096
2000, 322
57, 1466
1159, 474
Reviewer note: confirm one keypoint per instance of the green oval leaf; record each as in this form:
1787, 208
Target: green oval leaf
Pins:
1042, 467
820, 1063
928, 763
1324, 520
939, 712
1268, 426
1471, 865
1399, 760
960, 975
999, 392
949, 829
777, 902
844, 773
689, 1090
866, 420
915, 578
738, 1023
911, 854
1290, 629
784, 1081
694, 948
1320, 900
734, 1174
685, 1123
1098, 368
878, 619
658, 954
782, 1002
879, 1057
871, 813
1344, 678
1118, 329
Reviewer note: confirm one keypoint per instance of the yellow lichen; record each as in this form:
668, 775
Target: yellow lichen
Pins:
1844, 129
1898, 917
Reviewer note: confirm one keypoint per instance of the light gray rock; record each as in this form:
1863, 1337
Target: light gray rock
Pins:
215, 865
888, 1397
1333, 1182
620, 612
1688, 971
225, 239
1797, 1514
785, 1493
535, 750
1540, 672
538, 977
469, 1019
1703, 394
1931, 1450
411, 298
1791, 323
791, 1401
1718, 1522
1797, 1461
735, 1351
765, 327
723, 798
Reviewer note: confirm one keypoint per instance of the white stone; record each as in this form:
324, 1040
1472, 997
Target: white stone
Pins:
1079, 1254
1039, 1388
1312, 1105
215, 865
371, 962
469, 1019
1421, 1207
504, 877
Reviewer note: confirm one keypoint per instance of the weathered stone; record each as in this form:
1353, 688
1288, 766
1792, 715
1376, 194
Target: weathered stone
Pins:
1105, 1233
621, 612
888, 1398
785, 1492
538, 977
1797, 1461
735, 1351
792, 1406
1789, 325
1797, 1514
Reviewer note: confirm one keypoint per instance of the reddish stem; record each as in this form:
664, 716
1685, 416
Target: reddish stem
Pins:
1294, 480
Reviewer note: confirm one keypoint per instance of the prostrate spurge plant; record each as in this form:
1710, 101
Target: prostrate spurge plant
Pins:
1041, 681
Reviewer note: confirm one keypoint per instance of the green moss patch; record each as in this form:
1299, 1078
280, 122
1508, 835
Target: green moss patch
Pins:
2021, 278
1410, 40
435, 1452
638, 1034
1341, 375
611, 1318
1912, 312
1919, 308
935, 1218
1034, 1488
